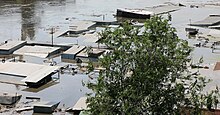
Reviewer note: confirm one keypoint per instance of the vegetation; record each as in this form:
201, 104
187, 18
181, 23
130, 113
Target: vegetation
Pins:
147, 73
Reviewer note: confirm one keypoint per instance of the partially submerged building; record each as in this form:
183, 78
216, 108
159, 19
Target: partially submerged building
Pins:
38, 51
10, 46
147, 12
72, 52
35, 75
78, 27
82, 53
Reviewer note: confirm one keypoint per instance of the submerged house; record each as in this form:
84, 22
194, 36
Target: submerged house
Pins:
134, 13
35, 75
10, 46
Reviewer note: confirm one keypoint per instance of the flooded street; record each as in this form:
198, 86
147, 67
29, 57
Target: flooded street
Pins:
32, 20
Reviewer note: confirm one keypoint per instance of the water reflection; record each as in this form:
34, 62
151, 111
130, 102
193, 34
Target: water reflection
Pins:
28, 19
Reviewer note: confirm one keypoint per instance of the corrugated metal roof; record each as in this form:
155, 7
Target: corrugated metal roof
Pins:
74, 49
93, 38
32, 72
40, 74
11, 44
38, 51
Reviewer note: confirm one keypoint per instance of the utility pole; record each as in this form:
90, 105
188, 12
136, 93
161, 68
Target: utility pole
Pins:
52, 32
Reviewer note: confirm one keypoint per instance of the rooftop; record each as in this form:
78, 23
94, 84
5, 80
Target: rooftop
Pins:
32, 72
11, 44
80, 104
38, 51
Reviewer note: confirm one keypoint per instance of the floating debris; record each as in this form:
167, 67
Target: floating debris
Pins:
9, 99
23, 109
192, 31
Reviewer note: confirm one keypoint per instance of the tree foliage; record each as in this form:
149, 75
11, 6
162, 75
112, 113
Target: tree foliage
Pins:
146, 73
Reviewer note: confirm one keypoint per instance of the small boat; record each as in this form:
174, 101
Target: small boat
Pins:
192, 31
134, 13
9, 99
45, 107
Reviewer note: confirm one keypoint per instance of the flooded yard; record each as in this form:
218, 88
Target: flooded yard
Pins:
32, 20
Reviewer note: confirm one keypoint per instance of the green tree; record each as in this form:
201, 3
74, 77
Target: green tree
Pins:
146, 73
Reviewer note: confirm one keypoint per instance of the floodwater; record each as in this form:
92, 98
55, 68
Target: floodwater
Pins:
31, 20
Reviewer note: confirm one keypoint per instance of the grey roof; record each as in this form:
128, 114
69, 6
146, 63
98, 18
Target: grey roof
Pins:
209, 21
164, 8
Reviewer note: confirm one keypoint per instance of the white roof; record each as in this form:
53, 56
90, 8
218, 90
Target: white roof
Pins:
11, 44
40, 74
74, 49
81, 25
136, 11
80, 104
90, 38
38, 51
32, 72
